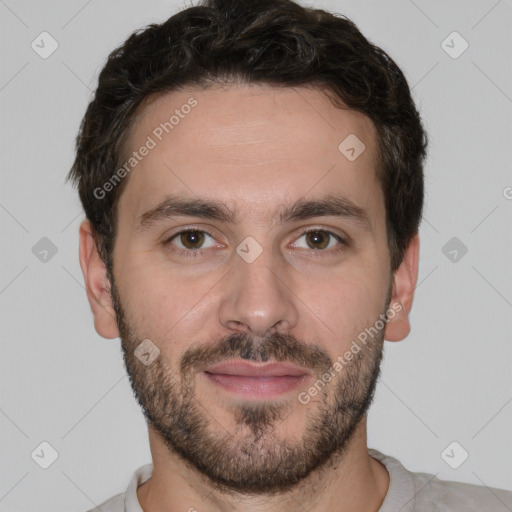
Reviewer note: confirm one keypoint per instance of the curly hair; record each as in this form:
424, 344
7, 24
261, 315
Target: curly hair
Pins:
273, 42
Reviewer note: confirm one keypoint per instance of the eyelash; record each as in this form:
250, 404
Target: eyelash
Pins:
194, 253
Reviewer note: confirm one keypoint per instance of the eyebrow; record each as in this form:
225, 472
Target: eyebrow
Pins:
210, 209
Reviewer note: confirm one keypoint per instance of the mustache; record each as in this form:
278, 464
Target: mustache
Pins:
275, 347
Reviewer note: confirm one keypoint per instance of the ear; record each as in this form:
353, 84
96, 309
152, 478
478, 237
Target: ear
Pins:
404, 284
97, 284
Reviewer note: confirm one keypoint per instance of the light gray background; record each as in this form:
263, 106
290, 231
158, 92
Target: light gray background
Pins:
61, 383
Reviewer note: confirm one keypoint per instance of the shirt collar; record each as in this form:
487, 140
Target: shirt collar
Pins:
131, 501
400, 495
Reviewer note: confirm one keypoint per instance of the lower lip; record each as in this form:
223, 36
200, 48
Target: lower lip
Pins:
257, 387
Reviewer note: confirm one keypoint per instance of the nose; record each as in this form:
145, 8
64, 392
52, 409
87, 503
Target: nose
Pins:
257, 297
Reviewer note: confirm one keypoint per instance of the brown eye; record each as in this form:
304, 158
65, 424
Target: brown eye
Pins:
317, 239
192, 239
320, 240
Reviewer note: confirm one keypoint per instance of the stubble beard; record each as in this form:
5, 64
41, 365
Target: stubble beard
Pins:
251, 457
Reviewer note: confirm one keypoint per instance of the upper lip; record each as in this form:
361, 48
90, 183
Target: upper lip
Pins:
247, 369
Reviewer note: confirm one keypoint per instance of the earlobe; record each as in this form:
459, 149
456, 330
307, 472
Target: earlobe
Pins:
97, 284
404, 283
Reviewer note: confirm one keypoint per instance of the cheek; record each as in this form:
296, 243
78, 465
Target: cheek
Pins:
163, 304
345, 305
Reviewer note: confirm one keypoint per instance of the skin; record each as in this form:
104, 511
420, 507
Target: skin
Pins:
286, 148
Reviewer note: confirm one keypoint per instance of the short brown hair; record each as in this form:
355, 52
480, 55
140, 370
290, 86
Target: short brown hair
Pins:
275, 42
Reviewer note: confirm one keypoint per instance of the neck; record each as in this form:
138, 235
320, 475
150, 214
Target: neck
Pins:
352, 481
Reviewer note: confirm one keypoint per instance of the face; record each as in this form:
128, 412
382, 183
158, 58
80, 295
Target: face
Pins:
271, 247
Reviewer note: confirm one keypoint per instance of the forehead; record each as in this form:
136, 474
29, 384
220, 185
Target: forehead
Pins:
250, 146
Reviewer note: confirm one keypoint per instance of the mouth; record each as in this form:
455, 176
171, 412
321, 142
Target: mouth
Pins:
257, 380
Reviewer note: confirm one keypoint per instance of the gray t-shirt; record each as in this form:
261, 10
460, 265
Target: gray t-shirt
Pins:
408, 492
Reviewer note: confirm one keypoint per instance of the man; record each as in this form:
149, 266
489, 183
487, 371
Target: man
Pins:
252, 177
